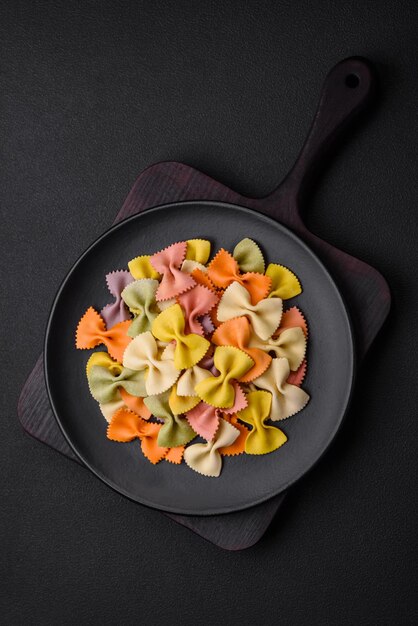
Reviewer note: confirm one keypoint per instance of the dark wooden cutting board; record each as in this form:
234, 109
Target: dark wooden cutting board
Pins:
347, 90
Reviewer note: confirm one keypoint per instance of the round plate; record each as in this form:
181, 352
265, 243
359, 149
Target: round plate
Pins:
245, 480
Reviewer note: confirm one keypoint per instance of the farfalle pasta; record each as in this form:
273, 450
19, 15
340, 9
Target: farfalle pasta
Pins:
116, 311
203, 355
139, 298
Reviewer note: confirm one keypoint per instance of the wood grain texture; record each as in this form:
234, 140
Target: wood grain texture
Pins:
347, 90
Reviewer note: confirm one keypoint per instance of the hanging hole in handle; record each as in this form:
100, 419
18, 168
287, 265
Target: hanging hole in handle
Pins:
352, 81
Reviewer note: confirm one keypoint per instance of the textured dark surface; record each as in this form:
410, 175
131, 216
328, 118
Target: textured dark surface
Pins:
89, 98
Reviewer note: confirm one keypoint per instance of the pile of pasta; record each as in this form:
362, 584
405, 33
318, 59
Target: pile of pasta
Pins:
202, 359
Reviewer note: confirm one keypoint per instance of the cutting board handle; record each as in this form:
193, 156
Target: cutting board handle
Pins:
346, 91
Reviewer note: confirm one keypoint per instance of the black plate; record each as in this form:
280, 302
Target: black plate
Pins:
245, 480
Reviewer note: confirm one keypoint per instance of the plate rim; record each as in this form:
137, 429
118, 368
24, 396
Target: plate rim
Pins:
351, 355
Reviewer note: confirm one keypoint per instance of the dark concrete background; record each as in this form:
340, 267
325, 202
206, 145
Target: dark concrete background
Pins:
90, 94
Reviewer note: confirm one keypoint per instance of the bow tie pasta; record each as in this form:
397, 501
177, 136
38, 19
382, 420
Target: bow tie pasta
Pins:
204, 356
